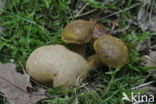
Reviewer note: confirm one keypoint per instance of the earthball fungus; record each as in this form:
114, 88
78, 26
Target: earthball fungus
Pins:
111, 51
57, 65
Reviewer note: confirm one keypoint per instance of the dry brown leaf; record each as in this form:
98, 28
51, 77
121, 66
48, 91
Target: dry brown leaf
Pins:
98, 31
149, 60
13, 85
146, 16
143, 46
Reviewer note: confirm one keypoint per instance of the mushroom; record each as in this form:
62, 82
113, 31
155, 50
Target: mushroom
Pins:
56, 65
94, 61
78, 33
111, 51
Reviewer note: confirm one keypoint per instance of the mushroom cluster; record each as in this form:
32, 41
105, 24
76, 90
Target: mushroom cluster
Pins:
59, 66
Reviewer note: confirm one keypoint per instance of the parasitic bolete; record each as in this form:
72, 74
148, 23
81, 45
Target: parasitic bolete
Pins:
111, 51
77, 33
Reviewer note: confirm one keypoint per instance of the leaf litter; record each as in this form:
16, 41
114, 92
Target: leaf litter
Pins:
147, 21
14, 86
147, 16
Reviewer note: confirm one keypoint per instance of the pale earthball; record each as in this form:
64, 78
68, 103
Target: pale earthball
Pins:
57, 65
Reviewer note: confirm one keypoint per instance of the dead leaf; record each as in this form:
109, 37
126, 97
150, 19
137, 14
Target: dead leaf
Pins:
143, 46
146, 16
149, 60
13, 86
98, 31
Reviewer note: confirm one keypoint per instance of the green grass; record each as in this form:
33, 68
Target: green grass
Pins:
30, 24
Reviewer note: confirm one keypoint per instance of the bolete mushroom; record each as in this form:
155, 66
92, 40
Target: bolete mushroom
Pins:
57, 65
111, 51
78, 33
94, 61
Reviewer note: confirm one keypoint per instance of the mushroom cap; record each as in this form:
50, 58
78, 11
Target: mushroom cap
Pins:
57, 65
112, 51
77, 32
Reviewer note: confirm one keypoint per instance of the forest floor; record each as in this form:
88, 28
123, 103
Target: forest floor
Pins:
29, 24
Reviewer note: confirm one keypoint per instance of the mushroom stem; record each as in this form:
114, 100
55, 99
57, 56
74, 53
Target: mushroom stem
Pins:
78, 48
94, 61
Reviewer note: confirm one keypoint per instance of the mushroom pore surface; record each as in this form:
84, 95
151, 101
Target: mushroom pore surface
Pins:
57, 65
112, 51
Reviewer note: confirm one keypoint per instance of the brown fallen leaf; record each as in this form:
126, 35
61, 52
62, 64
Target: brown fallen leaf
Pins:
149, 60
14, 86
98, 31
146, 15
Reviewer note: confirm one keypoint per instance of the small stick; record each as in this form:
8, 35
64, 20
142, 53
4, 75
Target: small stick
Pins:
119, 11
145, 84
81, 10
91, 11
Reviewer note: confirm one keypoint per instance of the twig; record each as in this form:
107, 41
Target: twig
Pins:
120, 30
85, 86
119, 11
93, 10
145, 84
81, 10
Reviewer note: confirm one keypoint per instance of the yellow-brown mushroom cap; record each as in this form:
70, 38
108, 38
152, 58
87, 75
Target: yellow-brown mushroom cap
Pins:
77, 32
112, 51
